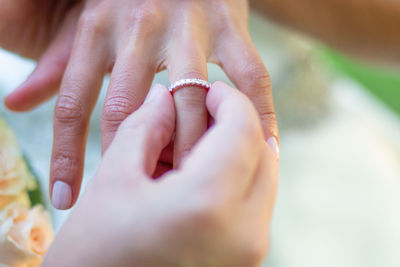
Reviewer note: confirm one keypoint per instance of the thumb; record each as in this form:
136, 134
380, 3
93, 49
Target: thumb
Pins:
145, 133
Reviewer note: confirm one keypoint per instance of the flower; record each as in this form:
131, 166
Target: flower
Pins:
15, 177
22, 198
25, 235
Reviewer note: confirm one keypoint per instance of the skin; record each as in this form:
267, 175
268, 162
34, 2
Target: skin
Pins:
77, 42
213, 211
367, 29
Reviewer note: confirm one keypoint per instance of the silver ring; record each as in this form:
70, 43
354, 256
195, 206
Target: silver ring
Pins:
189, 83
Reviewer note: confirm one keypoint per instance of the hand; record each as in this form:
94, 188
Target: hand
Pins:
135, 39
214, 211
40, 29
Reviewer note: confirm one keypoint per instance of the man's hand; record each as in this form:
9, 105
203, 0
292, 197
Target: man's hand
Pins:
214, 211
134, 39
368, 28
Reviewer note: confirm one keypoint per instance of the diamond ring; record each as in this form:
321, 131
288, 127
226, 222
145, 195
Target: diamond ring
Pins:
189, 83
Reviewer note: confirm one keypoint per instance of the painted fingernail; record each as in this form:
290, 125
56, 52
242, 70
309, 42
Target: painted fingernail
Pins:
62, 195
153, 93
273, 144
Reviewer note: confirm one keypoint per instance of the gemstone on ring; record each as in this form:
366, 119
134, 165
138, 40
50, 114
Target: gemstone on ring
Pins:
188, 83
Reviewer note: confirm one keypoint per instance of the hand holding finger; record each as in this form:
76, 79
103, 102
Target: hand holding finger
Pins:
137, 40
143, 135
231, 149
188, 60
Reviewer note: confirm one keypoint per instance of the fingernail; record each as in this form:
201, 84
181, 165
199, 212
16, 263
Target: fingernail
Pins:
62, 195
273, 144
153, 93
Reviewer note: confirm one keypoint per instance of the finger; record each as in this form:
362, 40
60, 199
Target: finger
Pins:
45, 80
245, 68
188, 61
144, 134
78, 94
130, 80
136, 64
230, 151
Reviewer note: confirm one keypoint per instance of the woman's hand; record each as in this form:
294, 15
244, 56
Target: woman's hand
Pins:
134, 39
42, 30
213, 211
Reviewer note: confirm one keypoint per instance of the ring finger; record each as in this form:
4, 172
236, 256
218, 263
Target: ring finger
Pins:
188, 61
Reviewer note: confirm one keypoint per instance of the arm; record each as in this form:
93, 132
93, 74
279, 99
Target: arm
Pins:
368, 28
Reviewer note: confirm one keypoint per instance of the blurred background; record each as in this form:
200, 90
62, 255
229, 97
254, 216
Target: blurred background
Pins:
339, 196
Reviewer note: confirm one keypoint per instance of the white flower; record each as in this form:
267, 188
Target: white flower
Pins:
15, 177
25, 235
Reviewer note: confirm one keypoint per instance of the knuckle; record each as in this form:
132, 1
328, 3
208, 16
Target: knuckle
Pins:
257, 77
267, 116
147, 16
226, 11
116, 109
265, 107
63, 164
233, 17
92, 23
68, 109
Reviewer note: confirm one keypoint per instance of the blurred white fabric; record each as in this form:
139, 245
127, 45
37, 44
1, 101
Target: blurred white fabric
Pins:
338, 203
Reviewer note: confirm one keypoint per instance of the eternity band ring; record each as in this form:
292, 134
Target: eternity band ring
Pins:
189, 83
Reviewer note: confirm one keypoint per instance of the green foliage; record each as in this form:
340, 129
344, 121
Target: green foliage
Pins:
35, 195
383, 84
